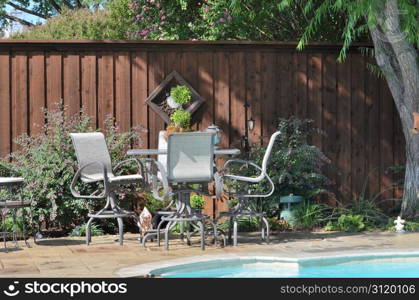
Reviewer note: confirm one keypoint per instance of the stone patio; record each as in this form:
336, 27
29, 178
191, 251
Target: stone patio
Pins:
70, 257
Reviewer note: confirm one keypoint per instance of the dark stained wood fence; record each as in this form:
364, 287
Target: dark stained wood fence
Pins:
238, 80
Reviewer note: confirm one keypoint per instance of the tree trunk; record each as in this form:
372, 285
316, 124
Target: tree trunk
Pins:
398, 59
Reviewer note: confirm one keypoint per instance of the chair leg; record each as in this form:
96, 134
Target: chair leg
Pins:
166, 235
235, 232
121, 231
23, 228
3, 216
230, 229
262, 225
267, 229
14, 233
158, 232
202, 229
214, 227
88, 231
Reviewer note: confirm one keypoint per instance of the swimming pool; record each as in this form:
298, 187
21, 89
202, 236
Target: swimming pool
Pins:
380, 266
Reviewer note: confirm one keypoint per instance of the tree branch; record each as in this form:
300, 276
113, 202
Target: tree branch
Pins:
19, 20
68, 4
26, 10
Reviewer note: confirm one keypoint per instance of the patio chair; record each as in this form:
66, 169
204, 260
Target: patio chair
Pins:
190, 160
13, 184
95, 166
243, 209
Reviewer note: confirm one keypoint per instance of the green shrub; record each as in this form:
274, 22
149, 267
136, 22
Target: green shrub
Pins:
181, 118
197, 202
81, 230
411, 226
308, 216
181, 94
113, 24
47, 162
348, 223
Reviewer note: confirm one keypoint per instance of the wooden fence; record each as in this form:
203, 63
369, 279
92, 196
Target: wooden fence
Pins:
238, 80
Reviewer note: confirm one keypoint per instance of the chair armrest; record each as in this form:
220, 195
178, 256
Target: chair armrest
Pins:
140, 166
244, 178
77, 176
258, 179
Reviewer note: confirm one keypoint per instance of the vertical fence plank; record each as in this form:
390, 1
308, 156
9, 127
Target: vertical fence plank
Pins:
36, 91
343, 137
357, 125
253, 94
237, 98
300, 87
372, 102
189, 71
54, 79
19, 96
285, 66
221, 95
206, 88
71, 82
139, 94
386, 140
329, 114
105, 87
88, 85
315, 88
5, 122
122, 91
156, 69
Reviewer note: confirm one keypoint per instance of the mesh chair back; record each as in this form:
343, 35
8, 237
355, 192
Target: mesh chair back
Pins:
190, 157
162, 144
91, 147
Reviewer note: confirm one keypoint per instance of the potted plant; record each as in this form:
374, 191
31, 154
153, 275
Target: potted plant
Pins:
179, 96
197, 202
181, 122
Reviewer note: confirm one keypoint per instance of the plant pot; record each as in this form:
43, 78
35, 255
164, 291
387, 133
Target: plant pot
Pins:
172, 103
286, 212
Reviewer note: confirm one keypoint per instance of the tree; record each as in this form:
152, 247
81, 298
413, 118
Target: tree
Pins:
43, 9
394, 29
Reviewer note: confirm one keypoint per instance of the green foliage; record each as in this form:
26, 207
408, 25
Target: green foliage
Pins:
197, 202
308, 216
112, 23
181, 118
294, 166
154, 204
181, 94
348, 223
47, 162
224, 20
81, 230
360, 16
411, 226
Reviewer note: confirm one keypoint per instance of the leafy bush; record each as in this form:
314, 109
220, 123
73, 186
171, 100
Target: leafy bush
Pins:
348, 223
181, 118
47, 162
308, 216
181, 94
197, 202
113, 23
80, 230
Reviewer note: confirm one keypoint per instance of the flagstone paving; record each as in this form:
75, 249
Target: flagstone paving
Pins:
70, 257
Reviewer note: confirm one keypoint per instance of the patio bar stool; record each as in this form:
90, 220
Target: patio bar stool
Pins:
12, 204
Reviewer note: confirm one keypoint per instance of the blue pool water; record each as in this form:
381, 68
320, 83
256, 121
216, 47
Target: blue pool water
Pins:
356, 267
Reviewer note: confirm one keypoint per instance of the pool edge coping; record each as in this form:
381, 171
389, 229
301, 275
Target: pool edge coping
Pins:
146, 269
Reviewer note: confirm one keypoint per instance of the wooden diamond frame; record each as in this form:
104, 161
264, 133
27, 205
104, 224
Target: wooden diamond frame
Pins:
157, 99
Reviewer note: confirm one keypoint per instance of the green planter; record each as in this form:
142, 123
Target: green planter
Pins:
286, 212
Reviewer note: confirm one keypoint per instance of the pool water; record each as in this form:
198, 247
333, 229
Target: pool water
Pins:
364, 267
